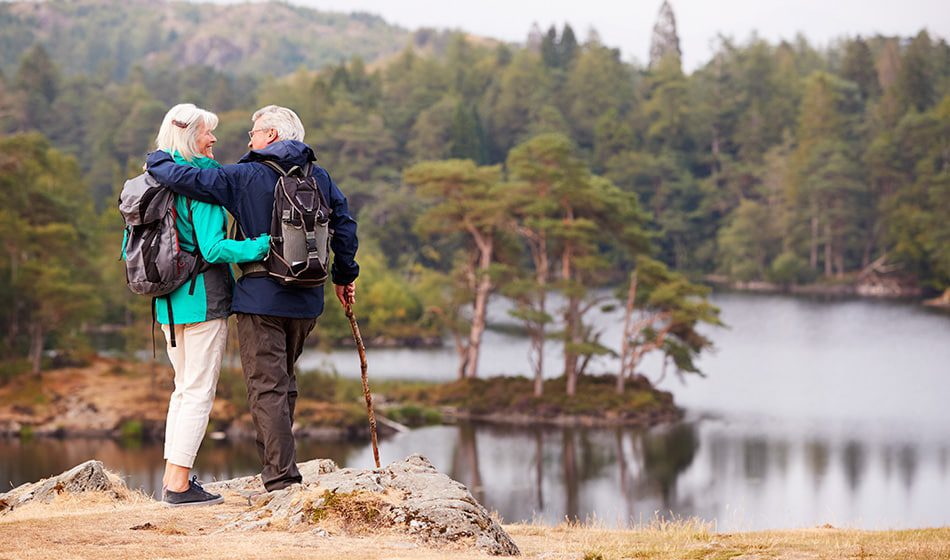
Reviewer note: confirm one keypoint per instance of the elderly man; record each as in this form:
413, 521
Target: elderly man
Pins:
273, 319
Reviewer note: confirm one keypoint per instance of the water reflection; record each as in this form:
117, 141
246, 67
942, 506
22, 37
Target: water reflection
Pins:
140, 463
741, 475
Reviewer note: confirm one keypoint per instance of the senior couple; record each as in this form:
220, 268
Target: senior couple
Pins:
273, 320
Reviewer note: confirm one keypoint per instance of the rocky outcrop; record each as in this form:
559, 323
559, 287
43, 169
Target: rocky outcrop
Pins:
406, 496
90, 476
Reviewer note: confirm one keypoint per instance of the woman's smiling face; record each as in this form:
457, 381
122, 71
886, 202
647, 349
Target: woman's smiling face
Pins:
205, 140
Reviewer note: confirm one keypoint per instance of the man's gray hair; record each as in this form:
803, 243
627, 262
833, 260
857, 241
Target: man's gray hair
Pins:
283, 120
180, 129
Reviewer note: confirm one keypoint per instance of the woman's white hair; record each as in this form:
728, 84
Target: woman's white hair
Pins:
180, 129
283, 120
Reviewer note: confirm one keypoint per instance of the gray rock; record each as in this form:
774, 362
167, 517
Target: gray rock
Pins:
90, 476
252, 485
411, 494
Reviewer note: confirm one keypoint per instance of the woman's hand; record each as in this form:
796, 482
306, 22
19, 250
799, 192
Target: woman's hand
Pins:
263, 246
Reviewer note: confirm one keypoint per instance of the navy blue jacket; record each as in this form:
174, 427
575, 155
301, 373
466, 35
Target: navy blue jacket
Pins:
246, 189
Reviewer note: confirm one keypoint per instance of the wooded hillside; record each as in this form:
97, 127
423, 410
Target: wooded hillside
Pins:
779, 162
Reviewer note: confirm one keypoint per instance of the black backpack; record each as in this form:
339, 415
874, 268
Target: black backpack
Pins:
300, 231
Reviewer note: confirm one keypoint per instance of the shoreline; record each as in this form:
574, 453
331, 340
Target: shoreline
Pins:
872, 291
70, 403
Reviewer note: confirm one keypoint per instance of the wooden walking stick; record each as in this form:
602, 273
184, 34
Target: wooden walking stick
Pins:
369, 397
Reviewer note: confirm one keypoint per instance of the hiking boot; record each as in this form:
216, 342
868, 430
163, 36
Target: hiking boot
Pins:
195, 495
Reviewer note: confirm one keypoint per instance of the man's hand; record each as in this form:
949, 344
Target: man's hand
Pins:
346, 293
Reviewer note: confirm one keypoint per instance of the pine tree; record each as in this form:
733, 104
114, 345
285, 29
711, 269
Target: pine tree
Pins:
567, 47
916, 80
665, 42
549, 49
38, 79
49, 238
466, 201
858, 67
535, 38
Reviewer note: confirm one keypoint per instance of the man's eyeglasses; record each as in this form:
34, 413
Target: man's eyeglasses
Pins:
251, 133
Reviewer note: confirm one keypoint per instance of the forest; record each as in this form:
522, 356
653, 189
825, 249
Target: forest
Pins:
553, 173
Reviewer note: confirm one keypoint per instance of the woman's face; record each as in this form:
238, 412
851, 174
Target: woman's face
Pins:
205, 140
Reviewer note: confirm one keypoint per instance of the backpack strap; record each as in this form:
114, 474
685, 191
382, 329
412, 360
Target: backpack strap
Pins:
295, 170
154, 299
200, 264
171, 322
276, 167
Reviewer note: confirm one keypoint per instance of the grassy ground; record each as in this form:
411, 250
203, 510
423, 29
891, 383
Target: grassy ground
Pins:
92, 528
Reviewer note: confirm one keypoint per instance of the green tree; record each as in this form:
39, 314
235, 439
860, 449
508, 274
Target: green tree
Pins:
670, 310
597, 83
38, 79
561, 212
513, 102
466, 201
748, 242
916, 80
858, 67
50, 237
827, 183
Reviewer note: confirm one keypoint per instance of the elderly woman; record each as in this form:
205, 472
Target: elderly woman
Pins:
199, 310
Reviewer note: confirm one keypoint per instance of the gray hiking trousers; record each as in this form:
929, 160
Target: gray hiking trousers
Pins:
269, 348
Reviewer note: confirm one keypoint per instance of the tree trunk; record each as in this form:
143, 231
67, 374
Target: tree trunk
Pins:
626, 343
537, 342
483, 287
36, 347
570, 319
829, 252
539, 468
813, 258
462, 352
13, 332
570, 338
468, 461
537, 358
569, 466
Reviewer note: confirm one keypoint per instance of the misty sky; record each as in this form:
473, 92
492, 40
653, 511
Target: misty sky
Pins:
628, 24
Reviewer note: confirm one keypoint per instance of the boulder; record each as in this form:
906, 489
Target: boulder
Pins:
409, 496
90, 476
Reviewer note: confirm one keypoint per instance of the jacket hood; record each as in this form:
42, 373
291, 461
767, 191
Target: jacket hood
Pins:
292, 152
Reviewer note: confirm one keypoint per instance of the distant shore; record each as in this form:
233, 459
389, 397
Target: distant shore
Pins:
844, 288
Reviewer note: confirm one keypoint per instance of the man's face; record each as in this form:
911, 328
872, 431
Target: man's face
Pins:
205, 141
261, 137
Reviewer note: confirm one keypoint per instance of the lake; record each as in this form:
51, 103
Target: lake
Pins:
811, 412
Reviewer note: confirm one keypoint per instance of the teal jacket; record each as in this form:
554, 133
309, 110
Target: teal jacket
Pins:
213, 287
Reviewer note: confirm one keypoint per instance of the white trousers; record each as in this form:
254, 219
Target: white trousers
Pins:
197, 362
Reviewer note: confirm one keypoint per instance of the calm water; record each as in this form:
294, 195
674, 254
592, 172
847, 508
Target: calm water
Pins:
812, 412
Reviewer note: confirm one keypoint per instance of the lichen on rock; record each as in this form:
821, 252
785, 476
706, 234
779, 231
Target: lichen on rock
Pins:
409, 496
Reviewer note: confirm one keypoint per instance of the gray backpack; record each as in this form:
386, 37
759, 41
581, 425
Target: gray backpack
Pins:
155, 263
300, 231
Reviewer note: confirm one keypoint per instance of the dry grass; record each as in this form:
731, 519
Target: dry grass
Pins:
93, 527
